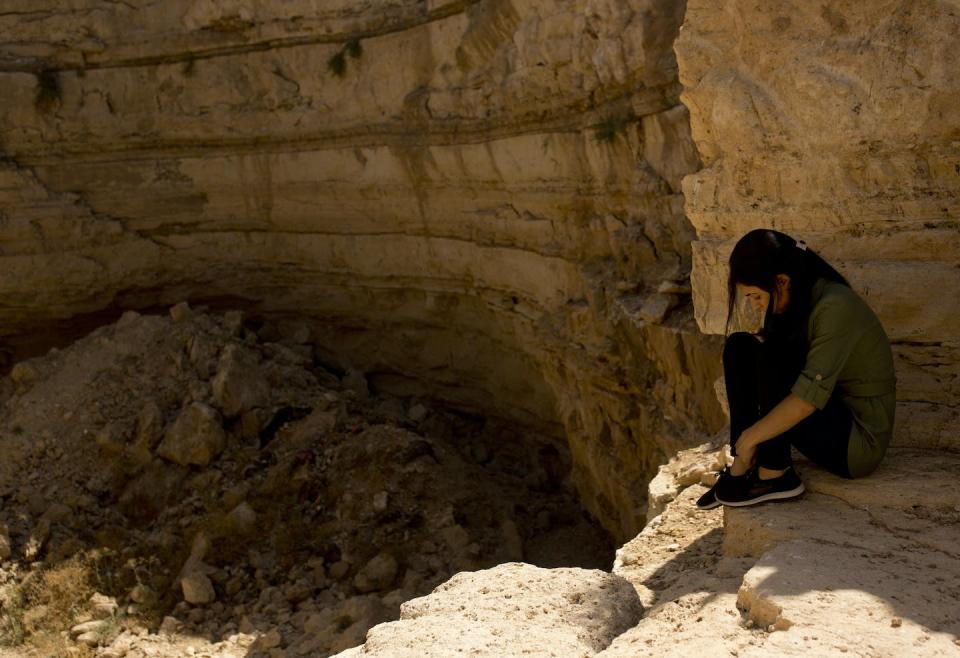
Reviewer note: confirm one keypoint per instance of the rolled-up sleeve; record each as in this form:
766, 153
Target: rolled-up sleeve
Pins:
836, 326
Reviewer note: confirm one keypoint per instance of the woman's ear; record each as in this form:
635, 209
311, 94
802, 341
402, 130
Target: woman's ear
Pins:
783, 281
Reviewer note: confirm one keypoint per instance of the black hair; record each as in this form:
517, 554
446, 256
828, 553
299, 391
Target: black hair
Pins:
757, 259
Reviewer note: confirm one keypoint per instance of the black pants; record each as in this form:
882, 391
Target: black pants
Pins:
759, 375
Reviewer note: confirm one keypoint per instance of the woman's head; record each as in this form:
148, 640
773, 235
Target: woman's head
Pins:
775, 273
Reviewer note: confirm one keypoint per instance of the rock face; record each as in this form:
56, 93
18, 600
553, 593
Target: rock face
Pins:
477, 201
513, 609
834, 123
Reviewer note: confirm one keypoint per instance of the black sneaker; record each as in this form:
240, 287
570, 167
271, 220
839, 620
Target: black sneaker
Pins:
785, 486
709, 499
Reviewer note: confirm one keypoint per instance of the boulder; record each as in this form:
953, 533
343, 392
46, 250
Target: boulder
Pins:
378, 574
197, 588
510, 610
239, 384
195, 437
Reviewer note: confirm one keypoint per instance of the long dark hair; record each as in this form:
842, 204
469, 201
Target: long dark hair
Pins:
757, 259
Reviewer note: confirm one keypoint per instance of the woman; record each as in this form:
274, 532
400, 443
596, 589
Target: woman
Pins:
818, 376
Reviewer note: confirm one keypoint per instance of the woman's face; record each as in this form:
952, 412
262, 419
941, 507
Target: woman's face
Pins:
760, 298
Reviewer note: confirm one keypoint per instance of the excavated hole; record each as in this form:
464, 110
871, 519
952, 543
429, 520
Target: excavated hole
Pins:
322, 504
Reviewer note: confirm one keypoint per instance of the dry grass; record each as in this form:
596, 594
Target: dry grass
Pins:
46, 603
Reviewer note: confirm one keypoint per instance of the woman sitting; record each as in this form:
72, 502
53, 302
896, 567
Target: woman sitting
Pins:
818, 376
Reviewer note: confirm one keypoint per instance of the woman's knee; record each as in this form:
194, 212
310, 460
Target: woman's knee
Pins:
739, 346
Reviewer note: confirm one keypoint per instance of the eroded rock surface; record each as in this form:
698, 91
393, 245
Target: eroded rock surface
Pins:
865, 567
833, 122
510, 610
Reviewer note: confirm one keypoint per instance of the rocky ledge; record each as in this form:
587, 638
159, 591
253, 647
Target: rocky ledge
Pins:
853, 568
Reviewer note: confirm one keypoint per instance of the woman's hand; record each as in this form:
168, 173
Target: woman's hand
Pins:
746, 448
747, 443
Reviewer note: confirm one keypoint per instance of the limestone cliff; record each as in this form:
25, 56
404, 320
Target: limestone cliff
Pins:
474, 200
837, 123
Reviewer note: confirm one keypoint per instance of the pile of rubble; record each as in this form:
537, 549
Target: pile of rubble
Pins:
199, 484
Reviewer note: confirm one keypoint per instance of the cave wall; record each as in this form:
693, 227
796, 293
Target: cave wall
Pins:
837, 123
476, 200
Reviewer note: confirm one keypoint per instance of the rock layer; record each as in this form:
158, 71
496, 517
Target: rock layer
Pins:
477, 201
835, 123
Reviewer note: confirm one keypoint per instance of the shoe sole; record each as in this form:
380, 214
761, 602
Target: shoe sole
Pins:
773, 495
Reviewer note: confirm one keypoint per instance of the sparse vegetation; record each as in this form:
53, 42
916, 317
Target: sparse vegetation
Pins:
607, 130
338, 61
354, 49
338, 64
12, 633
48, 91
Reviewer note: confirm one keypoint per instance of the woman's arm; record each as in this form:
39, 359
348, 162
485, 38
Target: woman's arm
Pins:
791, 410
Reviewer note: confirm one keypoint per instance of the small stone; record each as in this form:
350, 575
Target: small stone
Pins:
377, 574
673, 547
267, 641
23, 374
197, 588
181, 312
298, 591
674, 288
109, 440
58, 513
90, 639
37, 540
242, 519
417, 412
380, 501
5, 548
239, 385
896, 622
112, 653
339, 569
318, 621
234, 585
233, 322
93, 626
690, 475
170, 626
103, 607
246, 626
142, 594
456, 537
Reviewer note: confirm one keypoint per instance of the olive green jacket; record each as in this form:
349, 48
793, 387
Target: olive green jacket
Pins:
850, 352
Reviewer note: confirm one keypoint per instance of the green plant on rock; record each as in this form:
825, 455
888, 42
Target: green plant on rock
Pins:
48, 91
